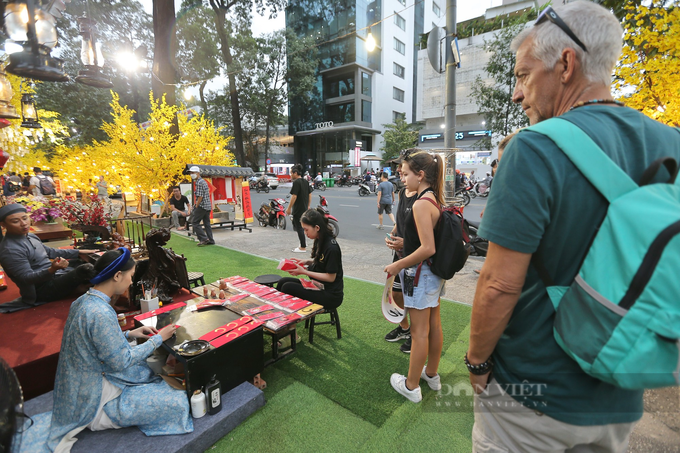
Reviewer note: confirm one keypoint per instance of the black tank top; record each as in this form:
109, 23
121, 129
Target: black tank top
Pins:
403, 210
411, 239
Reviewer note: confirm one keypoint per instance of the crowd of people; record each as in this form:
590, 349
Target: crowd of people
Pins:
102, 381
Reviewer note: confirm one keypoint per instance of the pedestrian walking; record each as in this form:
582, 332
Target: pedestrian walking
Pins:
539, 398
423, 173
385, 194
202, 208
102, 188
300, 200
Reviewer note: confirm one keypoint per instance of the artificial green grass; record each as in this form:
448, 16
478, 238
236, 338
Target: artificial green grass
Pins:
335, 394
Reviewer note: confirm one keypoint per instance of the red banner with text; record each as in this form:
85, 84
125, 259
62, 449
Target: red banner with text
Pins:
247, 205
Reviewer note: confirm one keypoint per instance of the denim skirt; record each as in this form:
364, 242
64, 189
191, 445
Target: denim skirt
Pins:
430, 288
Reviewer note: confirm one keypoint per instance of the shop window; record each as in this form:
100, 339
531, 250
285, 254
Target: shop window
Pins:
397, 94
436, 10
397, 115
398, 70
399, 21
337, 86
399, 46
340, 113
365, 84
366, 111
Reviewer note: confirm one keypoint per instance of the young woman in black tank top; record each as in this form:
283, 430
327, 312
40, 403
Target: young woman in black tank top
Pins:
423, 173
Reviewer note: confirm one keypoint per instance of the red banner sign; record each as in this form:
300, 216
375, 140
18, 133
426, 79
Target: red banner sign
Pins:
247, 205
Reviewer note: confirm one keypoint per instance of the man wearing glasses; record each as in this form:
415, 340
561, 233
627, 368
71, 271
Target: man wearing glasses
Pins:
531, 396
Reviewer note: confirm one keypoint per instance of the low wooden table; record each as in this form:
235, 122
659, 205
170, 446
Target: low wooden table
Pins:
48, 232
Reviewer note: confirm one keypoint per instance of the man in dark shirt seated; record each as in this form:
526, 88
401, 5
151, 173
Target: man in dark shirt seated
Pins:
179, 207
26, 261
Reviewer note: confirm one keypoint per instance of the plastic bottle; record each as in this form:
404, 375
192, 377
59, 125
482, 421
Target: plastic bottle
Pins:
214, 392
198, 405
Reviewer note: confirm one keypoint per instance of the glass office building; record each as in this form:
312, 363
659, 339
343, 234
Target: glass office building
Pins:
340, 109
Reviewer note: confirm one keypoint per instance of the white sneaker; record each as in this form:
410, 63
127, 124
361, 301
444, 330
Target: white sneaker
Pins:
398, 382
435, 382
297, 250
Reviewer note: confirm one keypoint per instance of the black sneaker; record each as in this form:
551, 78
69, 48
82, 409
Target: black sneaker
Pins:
398, 334
406, 347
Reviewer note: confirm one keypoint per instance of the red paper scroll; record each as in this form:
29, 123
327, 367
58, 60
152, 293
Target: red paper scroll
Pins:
158, 311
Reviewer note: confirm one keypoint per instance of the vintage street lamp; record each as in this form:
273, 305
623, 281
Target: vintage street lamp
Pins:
91, 56
29, 113
35, 30
7, 110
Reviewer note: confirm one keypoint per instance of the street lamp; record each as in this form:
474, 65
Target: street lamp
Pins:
29, 113
7, 110
35, 30
91, 56
370, 41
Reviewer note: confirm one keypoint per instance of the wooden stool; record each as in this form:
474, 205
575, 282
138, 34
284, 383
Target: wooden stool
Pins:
195, 278
268, 279
335, 320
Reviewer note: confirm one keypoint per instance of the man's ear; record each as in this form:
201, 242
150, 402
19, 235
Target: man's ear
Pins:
568, 64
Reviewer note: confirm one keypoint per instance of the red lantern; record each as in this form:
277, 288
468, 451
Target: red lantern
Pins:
4, 157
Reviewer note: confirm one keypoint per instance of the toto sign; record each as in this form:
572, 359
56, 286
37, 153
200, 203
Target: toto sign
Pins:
324, 124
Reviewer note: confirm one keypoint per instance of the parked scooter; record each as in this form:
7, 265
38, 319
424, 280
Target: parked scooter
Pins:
479, 245
273, 213
367, 189
332, 221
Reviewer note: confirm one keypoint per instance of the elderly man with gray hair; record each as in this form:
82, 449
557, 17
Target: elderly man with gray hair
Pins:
530, 395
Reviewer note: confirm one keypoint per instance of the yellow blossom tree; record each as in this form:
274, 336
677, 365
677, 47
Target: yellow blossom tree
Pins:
145, 160
648, 74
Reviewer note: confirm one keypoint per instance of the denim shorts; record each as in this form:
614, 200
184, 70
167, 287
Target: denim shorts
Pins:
430, 288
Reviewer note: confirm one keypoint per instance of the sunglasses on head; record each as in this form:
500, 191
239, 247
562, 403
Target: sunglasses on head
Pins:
551, 15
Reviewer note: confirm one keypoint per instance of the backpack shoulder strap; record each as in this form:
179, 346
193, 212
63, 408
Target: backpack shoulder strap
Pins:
607, 177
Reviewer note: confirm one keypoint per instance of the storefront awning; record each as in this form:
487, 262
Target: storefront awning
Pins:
212, 171
351, 127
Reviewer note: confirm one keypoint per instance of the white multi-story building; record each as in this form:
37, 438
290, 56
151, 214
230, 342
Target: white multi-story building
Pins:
470, 124
357, 91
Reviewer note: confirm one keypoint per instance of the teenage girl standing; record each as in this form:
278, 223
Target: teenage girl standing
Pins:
422, 289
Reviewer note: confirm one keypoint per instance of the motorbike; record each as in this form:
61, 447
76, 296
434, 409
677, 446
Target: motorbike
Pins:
260, 185
464, 194
344, 181
471, 190
479, 245
367, 189
273, 213
482, 188
332, 221
320, 185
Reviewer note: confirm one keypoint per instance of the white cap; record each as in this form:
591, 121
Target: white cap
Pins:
194, 169
390, 309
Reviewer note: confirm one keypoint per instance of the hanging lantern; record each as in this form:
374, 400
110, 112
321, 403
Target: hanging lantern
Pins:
35, 30
91, 56
7, 110
29, 113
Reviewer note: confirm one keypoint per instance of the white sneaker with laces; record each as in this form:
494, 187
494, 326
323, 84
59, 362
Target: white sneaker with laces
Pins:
398, 382
297, 250
435, 382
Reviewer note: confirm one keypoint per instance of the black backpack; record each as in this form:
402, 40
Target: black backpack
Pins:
46, 186
451, 244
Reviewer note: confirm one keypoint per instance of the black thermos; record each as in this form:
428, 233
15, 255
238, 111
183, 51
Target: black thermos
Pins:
214, 393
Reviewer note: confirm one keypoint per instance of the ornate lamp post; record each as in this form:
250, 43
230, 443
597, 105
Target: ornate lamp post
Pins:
91, 56
35, 30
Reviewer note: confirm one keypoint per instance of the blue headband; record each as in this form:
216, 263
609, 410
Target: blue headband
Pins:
110, 270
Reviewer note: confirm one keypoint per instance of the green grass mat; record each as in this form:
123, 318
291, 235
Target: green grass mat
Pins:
335, 394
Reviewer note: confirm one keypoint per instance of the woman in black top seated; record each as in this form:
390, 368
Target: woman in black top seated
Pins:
325, 267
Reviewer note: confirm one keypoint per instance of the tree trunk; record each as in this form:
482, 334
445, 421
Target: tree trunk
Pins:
201, 92
164, 55
220, 23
